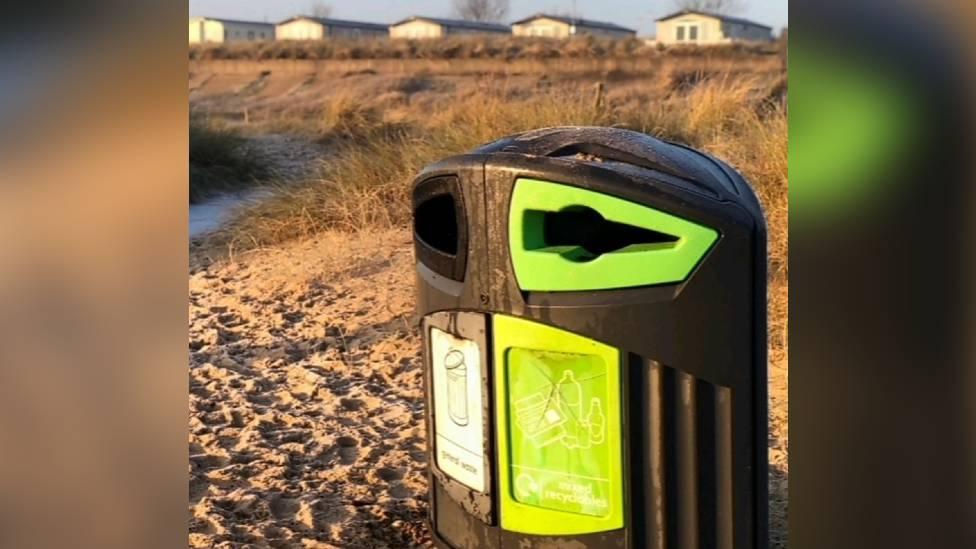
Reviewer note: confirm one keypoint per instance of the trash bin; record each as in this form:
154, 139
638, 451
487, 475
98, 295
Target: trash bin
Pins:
593, 310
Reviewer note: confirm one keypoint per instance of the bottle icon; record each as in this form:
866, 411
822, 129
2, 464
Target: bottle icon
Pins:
596, 421
457, 387
569, 396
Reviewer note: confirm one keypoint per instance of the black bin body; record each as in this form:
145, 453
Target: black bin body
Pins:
638, 267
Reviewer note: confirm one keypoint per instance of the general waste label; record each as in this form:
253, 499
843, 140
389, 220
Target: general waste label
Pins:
557, 413
458, 415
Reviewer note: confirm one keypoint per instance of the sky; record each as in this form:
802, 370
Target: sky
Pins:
639, 14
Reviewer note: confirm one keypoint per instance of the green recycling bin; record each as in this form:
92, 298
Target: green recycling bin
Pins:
593, 311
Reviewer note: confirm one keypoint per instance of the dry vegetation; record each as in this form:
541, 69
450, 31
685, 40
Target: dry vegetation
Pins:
497, 48
221, 161
379, 129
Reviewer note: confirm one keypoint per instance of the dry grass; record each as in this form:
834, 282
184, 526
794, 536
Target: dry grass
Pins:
220, 162
382, 137
466, 47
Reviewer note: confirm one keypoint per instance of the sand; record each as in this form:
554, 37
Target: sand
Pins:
306, 400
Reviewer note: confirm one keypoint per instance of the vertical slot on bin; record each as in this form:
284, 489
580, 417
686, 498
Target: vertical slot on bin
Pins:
723, 468
686, 461
648, 464
696, 434
708, 460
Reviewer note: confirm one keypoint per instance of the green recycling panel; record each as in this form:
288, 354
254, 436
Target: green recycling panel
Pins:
608, 243
558, 420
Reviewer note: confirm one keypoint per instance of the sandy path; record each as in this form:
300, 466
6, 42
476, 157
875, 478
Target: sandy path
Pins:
306, 410
305, 398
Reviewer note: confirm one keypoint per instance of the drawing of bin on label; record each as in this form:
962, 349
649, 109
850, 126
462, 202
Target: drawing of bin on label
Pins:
592, 304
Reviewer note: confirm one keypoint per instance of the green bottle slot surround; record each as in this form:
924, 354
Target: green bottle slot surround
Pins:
558, 411
602, 242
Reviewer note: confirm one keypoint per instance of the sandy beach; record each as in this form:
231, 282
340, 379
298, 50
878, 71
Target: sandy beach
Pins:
306, 398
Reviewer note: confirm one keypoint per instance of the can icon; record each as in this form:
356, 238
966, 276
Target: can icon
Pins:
457, 387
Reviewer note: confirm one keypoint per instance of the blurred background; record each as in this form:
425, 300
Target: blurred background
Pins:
93, 168
882, 256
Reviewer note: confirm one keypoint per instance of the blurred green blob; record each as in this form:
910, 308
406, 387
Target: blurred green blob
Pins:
850, 121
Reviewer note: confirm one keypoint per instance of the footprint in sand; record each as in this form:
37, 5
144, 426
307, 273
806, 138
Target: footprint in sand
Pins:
273, 533
230, 320
204, 462
388, 474
351, 404
399, 491
348, 451
292, 317
282, 507
198, 488
392, 477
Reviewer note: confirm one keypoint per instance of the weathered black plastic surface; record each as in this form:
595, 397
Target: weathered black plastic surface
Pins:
472, 326
694, 389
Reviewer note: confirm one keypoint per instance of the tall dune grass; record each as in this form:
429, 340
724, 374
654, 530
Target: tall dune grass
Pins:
364, 183
220, 161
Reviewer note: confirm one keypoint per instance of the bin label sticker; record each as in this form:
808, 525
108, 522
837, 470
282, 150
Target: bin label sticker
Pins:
557, 417
458, 418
